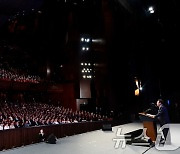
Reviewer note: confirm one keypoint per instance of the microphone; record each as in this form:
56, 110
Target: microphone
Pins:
153, 104
146, 111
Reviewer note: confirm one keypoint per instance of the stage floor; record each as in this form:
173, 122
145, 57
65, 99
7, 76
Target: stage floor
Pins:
95, 142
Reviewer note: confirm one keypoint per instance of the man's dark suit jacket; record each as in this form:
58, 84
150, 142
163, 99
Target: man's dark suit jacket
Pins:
162, 115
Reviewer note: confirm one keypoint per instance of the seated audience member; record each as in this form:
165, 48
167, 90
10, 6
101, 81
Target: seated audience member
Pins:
6, 126
1, 126
11, 126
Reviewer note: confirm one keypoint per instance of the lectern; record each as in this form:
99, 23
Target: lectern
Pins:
150, 125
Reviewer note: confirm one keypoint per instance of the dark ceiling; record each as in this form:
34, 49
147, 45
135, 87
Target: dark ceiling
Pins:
33, 33
151, 39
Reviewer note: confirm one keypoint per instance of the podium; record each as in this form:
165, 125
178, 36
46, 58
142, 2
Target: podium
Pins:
150, 125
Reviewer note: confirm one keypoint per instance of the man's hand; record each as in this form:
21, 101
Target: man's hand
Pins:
150, 115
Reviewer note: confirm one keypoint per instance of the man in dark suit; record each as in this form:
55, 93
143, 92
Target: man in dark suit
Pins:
163, 118
162, 114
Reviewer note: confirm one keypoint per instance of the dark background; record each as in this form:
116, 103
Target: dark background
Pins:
138, 44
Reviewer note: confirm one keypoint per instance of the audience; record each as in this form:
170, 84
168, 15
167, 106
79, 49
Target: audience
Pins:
10, 75
39, 114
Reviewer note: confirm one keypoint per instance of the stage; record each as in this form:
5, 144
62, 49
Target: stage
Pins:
95, 142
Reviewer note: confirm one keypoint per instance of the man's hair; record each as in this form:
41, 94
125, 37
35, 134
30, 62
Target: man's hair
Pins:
161, 101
